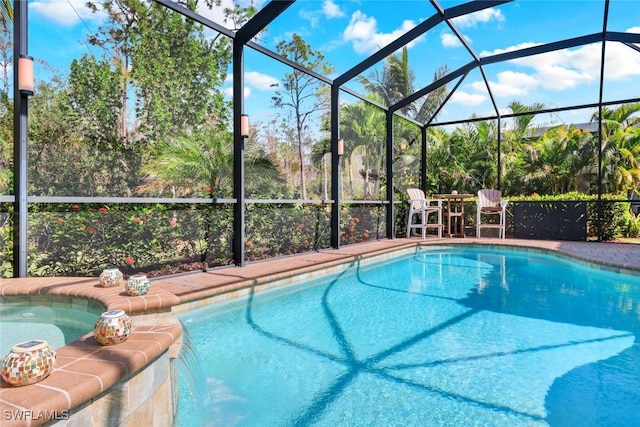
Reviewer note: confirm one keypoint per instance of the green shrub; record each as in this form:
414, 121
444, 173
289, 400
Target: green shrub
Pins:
630, 224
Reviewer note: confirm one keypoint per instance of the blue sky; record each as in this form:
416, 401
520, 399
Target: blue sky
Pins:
347, 32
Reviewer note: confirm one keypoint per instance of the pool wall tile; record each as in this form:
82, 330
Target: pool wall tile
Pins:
110, 409
80, 304
141, 388
82, 417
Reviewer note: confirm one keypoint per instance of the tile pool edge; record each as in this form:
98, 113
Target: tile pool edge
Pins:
205, 294
90, 380
310, 271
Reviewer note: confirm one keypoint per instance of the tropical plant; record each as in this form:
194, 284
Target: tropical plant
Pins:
620, 147
202, 164
396, 81
473, 159
363, 126
6, 14
390, 85
560, 161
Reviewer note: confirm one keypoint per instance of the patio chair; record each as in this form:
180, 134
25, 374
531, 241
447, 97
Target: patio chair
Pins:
420, 208
491, 205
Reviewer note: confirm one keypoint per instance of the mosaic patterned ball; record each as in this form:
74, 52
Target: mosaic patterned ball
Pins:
111, 277
138, 284
28, 362
113, 327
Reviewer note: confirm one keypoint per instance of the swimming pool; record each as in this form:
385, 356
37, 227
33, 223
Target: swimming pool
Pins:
462, 336
56, 322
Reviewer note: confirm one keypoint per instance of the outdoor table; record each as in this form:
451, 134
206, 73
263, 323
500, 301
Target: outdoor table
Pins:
455, 213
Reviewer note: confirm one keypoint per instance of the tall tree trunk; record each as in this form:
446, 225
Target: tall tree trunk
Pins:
303, 180
122, 121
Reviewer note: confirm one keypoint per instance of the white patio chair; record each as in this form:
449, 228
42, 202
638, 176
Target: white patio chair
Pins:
490, 204
420, 208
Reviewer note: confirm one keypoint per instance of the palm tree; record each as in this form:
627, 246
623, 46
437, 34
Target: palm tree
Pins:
561, 160
474, 149
6, 14
392, 84
433, 100
514, 141
621, 147
196, 164
396, 81
204, 164
364, 126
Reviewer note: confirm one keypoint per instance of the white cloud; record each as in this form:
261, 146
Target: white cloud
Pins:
560, 70
362, 33
449, 40
508, 49
509, 84
569, 68
228, 92
331, 10
482, 16
556, 71
260, 81
470, 21
63, 12
467, 99
255, 82
621, 62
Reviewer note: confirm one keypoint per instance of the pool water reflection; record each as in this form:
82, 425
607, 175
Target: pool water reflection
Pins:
443, 337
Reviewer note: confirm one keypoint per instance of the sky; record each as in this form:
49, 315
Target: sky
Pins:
347, 32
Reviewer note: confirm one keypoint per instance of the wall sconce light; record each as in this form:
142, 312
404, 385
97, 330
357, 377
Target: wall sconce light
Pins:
340, 147
244, 126
25, 75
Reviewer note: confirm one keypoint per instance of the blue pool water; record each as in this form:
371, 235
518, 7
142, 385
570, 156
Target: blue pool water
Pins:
446, 337
57, 324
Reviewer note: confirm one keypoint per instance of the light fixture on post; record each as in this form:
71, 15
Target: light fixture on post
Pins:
25, 75
244, 126
340, 147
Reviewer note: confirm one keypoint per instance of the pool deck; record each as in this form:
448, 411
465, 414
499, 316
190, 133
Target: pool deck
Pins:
85, 369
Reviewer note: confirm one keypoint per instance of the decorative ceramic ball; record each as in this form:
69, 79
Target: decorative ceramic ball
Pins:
113, 327
138, 284
111, 277
28, 362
